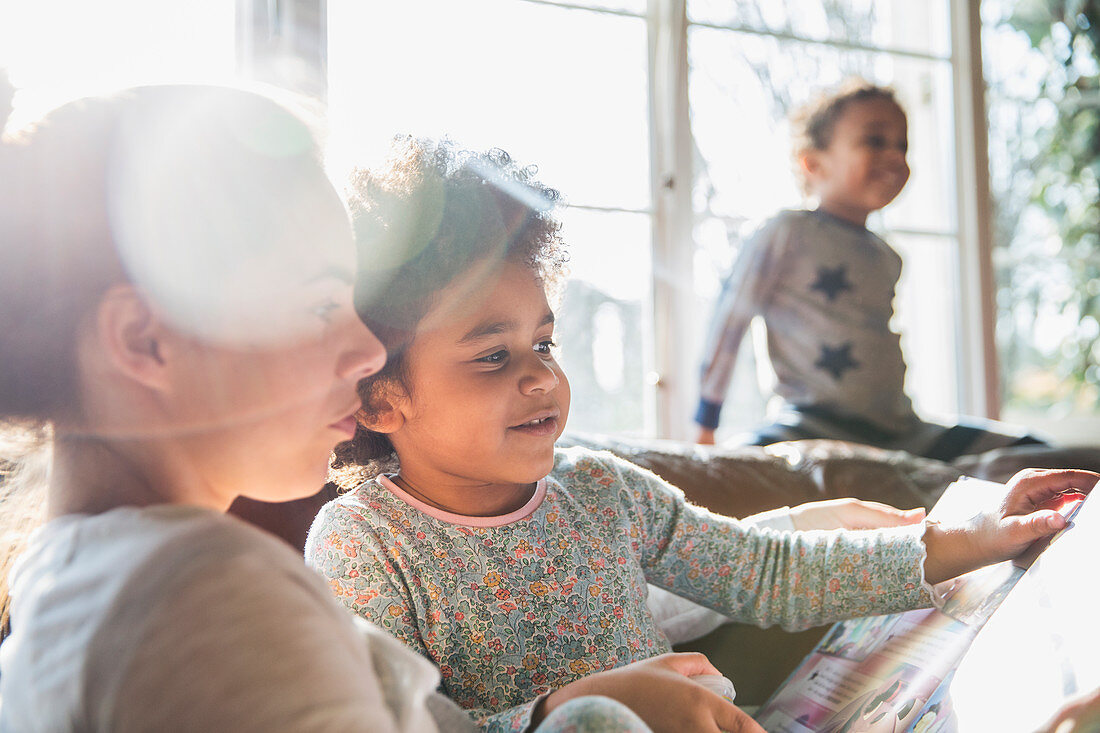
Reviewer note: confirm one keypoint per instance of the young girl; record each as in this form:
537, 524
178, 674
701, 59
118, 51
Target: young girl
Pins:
175, 284
824, 287
519, 569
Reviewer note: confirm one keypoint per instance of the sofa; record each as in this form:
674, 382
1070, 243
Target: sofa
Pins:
741, 481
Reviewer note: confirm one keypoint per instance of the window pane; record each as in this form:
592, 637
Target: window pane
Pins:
1043, 156
603, 323
564, 89
743, 88
924, 314
56, 50
896, 24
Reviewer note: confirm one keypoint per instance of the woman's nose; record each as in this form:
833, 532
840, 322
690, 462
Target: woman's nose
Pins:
364, 354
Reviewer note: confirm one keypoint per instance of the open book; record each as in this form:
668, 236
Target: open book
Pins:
932, 670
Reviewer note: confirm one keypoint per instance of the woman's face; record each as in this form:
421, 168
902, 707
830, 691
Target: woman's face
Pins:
260, 417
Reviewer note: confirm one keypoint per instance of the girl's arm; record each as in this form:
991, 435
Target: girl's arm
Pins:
1029, 513
762, 576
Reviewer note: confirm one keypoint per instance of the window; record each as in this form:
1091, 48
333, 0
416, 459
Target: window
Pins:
56, 50
589, 91
663, 123
1042, 71
750, 64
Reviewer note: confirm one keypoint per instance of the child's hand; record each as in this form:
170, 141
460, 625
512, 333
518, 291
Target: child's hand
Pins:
660, 692
706, 436
1029, 513
851, 514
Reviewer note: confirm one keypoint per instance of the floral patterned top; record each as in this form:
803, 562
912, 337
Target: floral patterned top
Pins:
514, 608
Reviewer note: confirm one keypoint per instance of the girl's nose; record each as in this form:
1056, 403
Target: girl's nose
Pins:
364, 354
539, 375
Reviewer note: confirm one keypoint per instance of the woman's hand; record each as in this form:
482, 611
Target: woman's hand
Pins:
659, 690
1079, 715
1029, 513
851, 514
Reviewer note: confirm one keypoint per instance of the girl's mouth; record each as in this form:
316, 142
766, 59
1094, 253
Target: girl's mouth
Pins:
538, 427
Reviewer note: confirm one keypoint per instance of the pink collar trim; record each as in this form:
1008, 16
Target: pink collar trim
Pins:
461, 519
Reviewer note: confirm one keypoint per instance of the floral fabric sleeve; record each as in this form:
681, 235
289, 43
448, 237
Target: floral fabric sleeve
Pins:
345, 550
348, 550
755, 575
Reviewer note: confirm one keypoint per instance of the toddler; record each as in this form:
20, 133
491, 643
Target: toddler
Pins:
824, 286
520, 569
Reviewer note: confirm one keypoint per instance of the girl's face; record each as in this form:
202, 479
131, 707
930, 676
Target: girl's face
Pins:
864, 167
260, 419
486, 399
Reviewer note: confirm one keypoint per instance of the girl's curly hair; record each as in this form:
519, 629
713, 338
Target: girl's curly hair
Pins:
425, 218
813, 124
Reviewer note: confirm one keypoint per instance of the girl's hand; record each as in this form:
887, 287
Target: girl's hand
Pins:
660, 692
851, 514
1029, 513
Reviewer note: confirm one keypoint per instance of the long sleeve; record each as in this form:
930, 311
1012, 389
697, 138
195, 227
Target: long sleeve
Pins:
765, 577
744, 293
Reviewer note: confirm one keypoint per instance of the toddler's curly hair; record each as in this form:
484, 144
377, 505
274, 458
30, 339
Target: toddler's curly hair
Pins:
429, 215
813, 124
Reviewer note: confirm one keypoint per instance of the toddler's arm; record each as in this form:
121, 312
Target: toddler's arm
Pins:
743, 293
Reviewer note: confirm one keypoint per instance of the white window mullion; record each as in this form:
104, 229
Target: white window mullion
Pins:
674, 357
978, 380
285, 43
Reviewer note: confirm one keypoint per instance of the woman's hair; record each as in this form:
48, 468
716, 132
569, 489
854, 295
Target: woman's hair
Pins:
181, 191
424, 219
813, 124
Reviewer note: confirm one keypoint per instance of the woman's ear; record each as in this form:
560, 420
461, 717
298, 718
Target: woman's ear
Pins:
385, 414
133, 337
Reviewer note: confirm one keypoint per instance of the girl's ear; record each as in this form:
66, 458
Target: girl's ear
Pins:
385, 415
133, 337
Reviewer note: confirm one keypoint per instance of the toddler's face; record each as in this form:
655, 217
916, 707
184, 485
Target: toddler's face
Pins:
864, 167
487, 399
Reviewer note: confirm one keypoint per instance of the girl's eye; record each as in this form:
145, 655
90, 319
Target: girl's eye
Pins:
497, 357
325, 310
544, 346
876, 141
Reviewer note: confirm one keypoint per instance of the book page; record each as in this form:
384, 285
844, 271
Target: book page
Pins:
1043, 644
886, 673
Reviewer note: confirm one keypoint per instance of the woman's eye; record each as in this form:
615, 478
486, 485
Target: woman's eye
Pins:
496, 357
876, 141
325, 310
544, 347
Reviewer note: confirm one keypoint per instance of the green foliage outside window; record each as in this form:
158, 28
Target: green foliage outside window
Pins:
1041, 58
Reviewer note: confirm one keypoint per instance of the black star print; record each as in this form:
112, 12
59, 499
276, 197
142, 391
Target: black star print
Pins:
836, 360
832, 281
